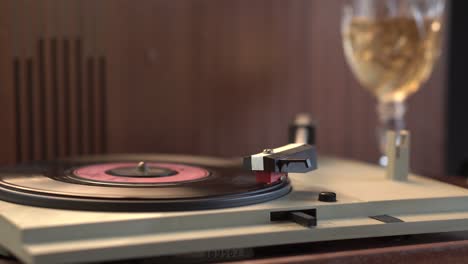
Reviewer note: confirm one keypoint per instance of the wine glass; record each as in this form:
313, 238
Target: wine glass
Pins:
391, 47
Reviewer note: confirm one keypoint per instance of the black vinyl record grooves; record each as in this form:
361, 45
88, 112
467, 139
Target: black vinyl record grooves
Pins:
125, 183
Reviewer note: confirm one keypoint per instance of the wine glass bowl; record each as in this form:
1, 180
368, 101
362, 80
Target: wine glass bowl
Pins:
391, 47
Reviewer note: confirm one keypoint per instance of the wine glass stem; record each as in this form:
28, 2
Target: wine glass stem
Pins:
391, 117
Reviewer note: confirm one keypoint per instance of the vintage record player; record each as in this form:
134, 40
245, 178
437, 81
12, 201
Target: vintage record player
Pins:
117, 207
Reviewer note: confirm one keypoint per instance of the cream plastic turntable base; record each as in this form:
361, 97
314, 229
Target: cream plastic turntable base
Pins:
39, 235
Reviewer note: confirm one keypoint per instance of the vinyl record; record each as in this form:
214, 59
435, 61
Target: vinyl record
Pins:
136, 183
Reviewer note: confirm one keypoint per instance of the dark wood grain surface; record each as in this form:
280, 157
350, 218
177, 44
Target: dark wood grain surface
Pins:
425, 248
7, 92
212, 77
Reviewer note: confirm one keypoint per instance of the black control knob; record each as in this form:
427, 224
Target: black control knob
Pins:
329, 197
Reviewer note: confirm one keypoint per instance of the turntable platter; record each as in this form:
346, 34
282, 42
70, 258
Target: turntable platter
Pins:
160, 183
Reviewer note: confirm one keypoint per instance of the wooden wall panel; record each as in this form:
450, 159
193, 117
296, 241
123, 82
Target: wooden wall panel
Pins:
7, 92
115, 42
426, 119
44, 83
211, 77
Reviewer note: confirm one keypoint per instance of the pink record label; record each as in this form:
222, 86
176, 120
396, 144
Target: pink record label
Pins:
99, 172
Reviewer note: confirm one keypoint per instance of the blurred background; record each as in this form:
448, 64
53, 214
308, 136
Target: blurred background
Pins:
209, 77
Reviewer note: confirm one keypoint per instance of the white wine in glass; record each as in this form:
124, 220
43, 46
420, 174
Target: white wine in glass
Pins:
392, 46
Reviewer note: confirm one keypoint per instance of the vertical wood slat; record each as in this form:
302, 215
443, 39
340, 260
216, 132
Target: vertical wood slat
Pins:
89, 99
35, 92
61, 100
90, 84
23, 117
73, 102
49, 68
71, 32
78, 54
100, 9
21, 83
28, 27
33, 23
54, 102
42, 95
96, 106
85, 107
30, 112
102, 105
66, 96
38, 44
49, 95
49, 100
17, 80
88, 29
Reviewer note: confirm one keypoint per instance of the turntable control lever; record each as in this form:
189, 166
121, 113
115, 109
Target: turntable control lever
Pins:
303, 219
307, 218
